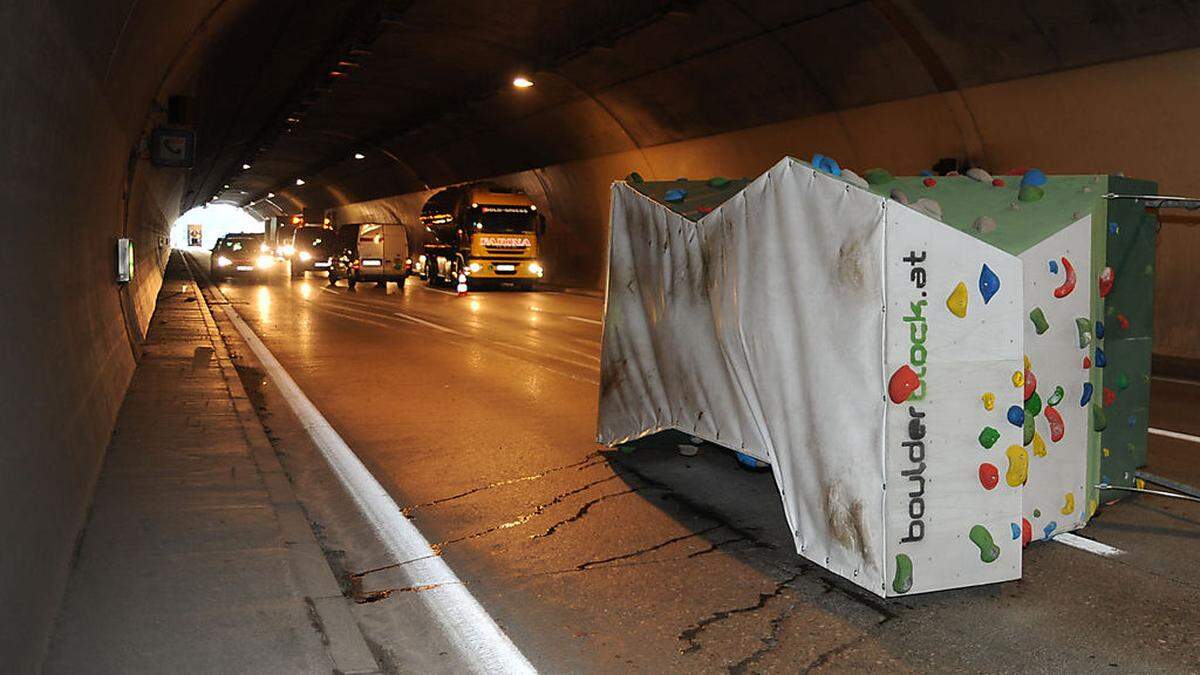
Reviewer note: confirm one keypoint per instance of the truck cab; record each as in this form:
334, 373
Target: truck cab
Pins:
485, 232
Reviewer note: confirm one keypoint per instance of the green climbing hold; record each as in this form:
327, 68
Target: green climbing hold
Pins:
1056, 397
878, 176
1037, 513
1039, 320
1030, 193
718, 181
1033, 405
904, 570
1084, 327
988, 437
1099, 419
1027, 430
627, 448
634, 177
1122, 381
988, 550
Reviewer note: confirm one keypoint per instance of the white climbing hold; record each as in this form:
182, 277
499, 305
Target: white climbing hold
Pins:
688, 450
984, 224
898, 195
929, 207
975, 173
855, 179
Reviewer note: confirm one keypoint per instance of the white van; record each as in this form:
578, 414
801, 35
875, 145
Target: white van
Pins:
378, 252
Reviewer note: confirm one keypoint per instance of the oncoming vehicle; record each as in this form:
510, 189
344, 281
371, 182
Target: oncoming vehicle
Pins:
371, 252
485, 232
241, 255
310, 248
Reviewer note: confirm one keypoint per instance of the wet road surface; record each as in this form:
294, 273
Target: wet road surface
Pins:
478, 415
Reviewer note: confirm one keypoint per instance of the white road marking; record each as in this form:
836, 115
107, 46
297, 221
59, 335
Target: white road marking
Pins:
473, 633
582, 319
355, 318
1089, 545
1176, 380
435, 326
1174, 434
438, 290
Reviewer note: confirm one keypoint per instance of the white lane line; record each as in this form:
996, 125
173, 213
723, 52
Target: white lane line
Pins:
472, 632
438, 290
1174, 434
355, 318
1089, 545
1176, 380
430, 324
582, 319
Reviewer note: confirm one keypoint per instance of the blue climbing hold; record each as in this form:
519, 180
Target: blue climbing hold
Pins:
1016, 416
748, 461
1048, 531
1100, 360
675, 195
826, 164
1016, 530
1098, 327
1113, 228
1053, 267
1132, 421
927, 173
989, 283
1087, 394
1034, 177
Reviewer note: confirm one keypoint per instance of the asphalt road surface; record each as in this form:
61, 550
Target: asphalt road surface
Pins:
478, 415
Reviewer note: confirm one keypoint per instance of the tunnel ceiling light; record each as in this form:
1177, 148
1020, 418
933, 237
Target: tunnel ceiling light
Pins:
227, 186
270, 195
299, 181
359, 155
245, 167
522, 82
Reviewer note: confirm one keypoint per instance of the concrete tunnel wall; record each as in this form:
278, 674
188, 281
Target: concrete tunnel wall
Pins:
1130, 116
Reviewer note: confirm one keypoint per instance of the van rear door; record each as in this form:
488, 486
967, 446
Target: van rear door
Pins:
370, 245
395, 246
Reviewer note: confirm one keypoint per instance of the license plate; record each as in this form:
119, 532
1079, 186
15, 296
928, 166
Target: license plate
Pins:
372, 263
506, 268
324, 263
245, 268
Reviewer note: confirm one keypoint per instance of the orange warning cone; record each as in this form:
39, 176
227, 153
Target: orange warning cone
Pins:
462, 284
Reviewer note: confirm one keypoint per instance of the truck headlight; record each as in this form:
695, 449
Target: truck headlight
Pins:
305, 256
222, 261
536, 268
474, 267
264, 261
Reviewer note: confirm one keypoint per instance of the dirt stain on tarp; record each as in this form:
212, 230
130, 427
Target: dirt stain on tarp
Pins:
849, 265
847, 521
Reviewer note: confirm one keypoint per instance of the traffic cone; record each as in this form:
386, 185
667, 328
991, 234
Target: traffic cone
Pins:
462, 284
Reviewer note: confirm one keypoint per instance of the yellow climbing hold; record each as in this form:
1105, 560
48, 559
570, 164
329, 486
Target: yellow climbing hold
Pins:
1068, 504
957, 302
1018, 466
1027, 366
1092, 504
1105, 451
989, 400
1039, 445
1018, 379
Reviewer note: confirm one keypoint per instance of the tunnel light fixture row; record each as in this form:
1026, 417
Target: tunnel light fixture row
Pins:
245, 167
299, 182
359, 155
522, 82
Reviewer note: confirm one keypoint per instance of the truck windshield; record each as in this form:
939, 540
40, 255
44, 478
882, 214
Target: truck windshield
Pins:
505, 219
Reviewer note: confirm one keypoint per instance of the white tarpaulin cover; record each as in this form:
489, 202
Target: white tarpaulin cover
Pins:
846, 340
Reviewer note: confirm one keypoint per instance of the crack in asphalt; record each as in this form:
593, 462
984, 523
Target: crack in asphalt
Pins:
641, 551
690, 633
770, 642
828, 654
587, 506
589, 460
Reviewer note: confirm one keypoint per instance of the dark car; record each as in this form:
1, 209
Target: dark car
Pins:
240, 255
310, 249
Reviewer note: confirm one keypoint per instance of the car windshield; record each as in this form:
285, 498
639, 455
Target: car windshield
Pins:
505, 219
312, 236
248, 244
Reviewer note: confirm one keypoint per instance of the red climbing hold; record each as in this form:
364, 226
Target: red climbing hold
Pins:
1107, 277
1030, 383
903, 383
1087, 362
998, 182
1109, 397
929, 182
1056, 423
989, 475
1026, 533
1068, 284
1123, 321
705, 210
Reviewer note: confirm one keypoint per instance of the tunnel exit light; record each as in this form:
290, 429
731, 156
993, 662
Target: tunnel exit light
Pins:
299, 181
522, 82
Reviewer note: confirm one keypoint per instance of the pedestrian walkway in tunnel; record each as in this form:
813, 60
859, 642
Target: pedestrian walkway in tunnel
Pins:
196, 556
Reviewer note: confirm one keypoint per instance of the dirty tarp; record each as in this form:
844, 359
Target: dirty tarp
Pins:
774, 326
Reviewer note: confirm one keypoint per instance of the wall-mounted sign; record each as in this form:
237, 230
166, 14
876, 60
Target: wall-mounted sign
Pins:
173, 147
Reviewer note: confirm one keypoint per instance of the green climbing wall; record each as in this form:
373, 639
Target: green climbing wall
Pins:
1129, 333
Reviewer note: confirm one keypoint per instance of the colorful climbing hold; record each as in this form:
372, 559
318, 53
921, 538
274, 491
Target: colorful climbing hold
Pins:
1027, 430
1033, 405
903, 580
988, 437
1034, 177
902, 384
1039, 445
1105, 281
989, 400
1018, 466
1121, 319
989, 475
1087, 394
1030, 384
1018, 378
718, 181
1099, 419
1087, 362
826, 164
1109, 397
1048, 531
704, 210
1016, 416
1037, 513
1038, 317
988, 550
998, 182
1030, 193
634, 177
878, 176
1053, 267
1113, 228
1068, 284
1016, 531
1122, 382
855, 179
898, 195
989, 283
1083, 326
957, 301
1101, 360
929, 182
1057, 428
1068, 504
929, 207
675, 195
977, 174
984, 224
1026, 533
1056, 397
1099, 329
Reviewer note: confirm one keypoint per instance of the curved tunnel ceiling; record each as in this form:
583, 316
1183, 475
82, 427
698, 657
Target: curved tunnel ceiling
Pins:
422, 88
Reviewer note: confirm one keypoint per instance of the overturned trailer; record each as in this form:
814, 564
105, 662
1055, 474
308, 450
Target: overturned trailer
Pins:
920, 381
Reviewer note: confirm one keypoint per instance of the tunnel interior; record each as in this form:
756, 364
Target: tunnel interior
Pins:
358, 110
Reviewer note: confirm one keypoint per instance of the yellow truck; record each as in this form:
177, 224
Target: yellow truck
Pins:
484, 232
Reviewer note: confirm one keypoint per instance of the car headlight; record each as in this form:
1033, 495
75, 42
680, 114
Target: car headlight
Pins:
264, 248
474, 267
222, 261
304, 255
264, 261
536, 268
287, 250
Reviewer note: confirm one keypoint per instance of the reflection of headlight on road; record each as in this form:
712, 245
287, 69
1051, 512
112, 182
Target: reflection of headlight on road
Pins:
536, 268
264, 261
287, 250
305, 256
222, 261
474, 267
